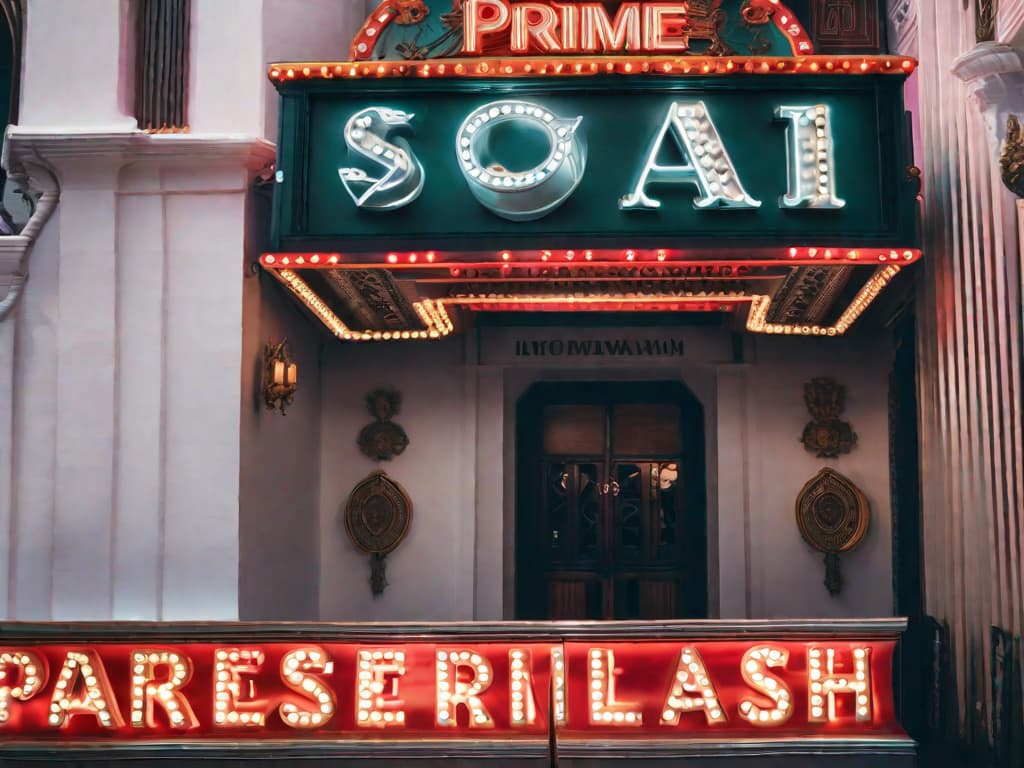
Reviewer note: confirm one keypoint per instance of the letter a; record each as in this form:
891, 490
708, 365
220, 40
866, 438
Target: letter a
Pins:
706, 164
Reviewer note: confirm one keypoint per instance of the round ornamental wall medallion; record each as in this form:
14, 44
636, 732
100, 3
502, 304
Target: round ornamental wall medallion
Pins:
377, 518
833, 516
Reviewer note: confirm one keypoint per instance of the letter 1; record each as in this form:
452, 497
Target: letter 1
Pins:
147, 693
22, 676
810, 162
706, 164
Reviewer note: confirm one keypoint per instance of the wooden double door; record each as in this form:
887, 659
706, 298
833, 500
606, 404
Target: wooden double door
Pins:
611, 519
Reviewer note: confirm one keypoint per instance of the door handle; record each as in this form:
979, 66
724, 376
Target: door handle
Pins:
615, 488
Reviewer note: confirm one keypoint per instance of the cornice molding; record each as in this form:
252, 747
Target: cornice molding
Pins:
61, 145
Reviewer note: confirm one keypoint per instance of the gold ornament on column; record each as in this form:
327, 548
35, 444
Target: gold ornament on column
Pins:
1011, 163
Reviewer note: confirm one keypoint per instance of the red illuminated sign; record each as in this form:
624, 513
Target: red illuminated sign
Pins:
396, 686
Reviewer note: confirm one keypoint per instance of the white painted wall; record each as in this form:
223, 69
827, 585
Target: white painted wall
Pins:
431, 574
279, 486
458, 561
72, 75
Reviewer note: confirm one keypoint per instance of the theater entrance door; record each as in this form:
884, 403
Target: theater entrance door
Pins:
611, 503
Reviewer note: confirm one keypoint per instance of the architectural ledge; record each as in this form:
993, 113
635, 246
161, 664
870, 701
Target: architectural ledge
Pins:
994, 74
54, 145
988, 60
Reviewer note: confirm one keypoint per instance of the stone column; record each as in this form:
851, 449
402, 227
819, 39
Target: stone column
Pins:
969, 349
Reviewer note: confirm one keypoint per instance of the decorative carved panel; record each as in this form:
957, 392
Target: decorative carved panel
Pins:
845, 25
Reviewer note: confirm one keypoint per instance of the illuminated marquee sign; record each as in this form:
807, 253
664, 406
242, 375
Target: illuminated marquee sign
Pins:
502, 155
660, 163
502, 682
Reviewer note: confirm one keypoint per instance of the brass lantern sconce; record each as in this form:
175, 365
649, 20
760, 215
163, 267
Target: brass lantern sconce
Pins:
280, 376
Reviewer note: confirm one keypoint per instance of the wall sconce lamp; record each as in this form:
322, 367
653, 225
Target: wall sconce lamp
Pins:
280, 376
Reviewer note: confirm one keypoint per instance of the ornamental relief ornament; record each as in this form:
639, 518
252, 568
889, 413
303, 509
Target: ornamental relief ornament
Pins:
1011, 162
826, 434
377, 517
833, 516
383, 439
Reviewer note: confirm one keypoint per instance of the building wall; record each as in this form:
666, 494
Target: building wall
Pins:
459, 412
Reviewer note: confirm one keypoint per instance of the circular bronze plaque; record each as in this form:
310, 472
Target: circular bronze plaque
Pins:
832, 513
378, 514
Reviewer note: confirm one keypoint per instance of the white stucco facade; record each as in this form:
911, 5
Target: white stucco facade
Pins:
141, 477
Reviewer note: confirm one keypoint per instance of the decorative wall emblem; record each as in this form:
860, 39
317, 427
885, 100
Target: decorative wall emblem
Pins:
377, 518
383, 439
1011, 164
826, 433
833, 516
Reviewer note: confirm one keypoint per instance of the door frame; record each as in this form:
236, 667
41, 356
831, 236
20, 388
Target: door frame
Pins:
528, 426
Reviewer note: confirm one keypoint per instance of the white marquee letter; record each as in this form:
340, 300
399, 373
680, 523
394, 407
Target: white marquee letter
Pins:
691, 677
706, 163
527, 194
97, 697
385, 174
829, 683
296, 666
604, 709
754, 667
451, 691
22, 675
147, 693
810, 162
377, 693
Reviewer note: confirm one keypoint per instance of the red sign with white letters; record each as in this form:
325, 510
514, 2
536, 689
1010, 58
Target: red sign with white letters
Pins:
446, 687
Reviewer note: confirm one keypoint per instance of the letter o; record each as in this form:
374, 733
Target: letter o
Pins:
532, 193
